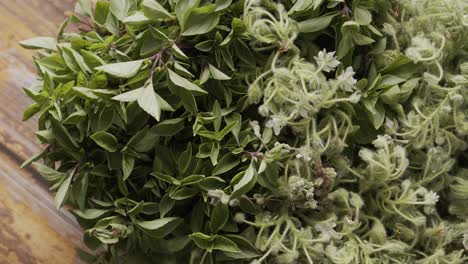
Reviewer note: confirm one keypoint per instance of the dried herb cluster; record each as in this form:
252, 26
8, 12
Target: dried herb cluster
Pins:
259, 131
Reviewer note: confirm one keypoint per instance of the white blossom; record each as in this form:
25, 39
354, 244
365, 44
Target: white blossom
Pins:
326, 60
346, 79
305, 152
256, 128
327, 231
431, 197
277, 122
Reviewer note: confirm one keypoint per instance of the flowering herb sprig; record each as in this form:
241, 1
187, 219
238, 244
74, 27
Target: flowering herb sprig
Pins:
259, 131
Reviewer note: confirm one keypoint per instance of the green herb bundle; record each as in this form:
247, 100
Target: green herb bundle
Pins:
259, 131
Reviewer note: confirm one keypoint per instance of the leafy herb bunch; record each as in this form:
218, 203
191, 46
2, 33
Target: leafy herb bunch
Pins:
259, 131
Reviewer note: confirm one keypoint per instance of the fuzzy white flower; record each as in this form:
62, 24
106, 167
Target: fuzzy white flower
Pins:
326, 60
431, 197
277, 122
346, 79
305, 152
256, 128
327, 231
263, 110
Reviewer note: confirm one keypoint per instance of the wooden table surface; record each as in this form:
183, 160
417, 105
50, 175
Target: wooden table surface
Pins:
31, 229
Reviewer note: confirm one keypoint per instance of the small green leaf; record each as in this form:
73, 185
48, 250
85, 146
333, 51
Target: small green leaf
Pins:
192, 179
136, 19
129, 96
166, 178
184, 83
160, 228
122, 69
224, 244
155, 11
165, 205
315, 24
184, 193
217, 74
169, 127
63, 191
48, 173
85, 93
149, 102
362, 16
202, 241
219, 217
222, 4
178, 52
120, 8
227, 162
200, 21
106, 141
248, 180
31, 110
39, 43
128, 162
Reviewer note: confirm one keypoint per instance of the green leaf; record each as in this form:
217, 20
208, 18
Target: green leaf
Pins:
222, 4
122, 69
169, 127
202, 241
62, 191
136, 19
224, 244
200, 21
129, 96
219, 217
217, 74
48, 173
362, 16
160, 228
248, 180
85, 93
212, 183
39, 43
166, 178
120, 8
86, 7
192, 179
128, 162
165, 206
377, 118
63, 136
92, 59
155, 11
180, 81
112, 24
361, 39
149, 102
247, 250
178, 52
184, 193
315, 24
183, 9
31, 110
215, 242
227, 162
106, 141
90, 214
391, 96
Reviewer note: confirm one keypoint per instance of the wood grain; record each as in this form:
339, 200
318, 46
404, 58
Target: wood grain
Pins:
32, 230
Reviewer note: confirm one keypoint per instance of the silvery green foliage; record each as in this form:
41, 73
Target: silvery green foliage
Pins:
259, 131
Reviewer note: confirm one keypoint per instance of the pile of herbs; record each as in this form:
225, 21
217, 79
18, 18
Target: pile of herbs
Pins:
259, 131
